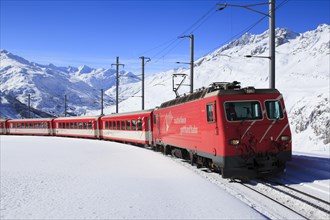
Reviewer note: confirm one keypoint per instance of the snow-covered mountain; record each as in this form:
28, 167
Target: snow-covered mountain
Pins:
302, 75
47, 85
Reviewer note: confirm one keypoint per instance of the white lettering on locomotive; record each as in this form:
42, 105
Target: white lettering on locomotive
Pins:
189, 130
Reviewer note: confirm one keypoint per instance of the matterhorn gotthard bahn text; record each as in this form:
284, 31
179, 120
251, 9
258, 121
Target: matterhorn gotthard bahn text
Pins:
302, 76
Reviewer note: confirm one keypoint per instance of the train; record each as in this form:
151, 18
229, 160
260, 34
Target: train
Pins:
238, 132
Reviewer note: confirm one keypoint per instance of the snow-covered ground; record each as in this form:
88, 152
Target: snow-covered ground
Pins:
64, 178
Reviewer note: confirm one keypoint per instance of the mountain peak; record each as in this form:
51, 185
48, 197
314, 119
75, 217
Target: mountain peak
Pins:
5, 55
84, 69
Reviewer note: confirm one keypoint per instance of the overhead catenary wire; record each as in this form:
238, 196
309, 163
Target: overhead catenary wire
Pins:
170, 45
175, 42
239, 34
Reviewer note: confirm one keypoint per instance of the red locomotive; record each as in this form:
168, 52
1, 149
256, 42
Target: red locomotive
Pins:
241, 132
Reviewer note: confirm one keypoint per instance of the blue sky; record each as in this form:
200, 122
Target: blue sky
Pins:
95, 32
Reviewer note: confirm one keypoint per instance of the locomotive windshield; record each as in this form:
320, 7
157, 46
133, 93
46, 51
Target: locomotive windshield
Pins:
274, 109
243, 110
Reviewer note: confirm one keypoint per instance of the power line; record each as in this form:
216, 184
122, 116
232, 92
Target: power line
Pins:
239, 34
172, 44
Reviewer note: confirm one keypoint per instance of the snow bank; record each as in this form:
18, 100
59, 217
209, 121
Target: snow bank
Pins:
62, 178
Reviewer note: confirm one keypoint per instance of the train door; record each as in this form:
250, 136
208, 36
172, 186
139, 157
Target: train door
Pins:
211, 129
156, 128
97, 128
149, 130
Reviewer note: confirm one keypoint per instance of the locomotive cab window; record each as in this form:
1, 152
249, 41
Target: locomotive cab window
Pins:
243, 110
274, 109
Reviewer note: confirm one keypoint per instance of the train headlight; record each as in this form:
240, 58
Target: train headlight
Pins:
285, 138
234, 142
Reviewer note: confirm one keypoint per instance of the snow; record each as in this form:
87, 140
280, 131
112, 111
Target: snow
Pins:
302, 75
64, 178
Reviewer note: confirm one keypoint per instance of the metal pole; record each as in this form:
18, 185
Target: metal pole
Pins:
117, 80
101, 101
65, 105
272, 44
142, 82
29, 106
143, 63
117, 83
191, 63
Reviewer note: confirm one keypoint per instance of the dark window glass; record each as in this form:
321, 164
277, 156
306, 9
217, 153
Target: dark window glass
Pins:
274, 109
240, 111
107, 125
90, 125
139, 124
122, 125
210, 112
128, 125
133, 125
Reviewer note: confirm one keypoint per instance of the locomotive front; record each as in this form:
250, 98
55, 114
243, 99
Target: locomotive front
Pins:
256, 132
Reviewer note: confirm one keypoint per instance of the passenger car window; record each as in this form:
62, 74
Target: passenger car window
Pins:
90, 125
274, 109
128, 125
139, 124
133, 125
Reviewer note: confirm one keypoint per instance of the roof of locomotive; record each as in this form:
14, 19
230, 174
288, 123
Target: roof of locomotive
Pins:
216, 89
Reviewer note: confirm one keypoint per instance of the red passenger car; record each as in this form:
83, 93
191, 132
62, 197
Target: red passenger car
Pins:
132, 127
3, 126
240, 132
87, 127
33, 126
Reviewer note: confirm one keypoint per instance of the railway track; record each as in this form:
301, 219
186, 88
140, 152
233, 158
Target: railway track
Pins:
323, 205
303, 204
271, 198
